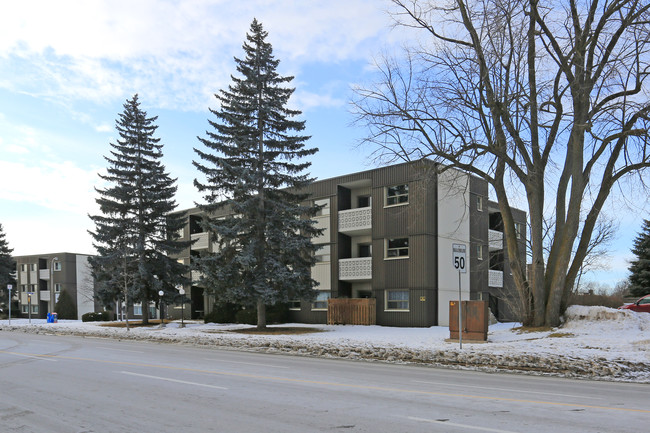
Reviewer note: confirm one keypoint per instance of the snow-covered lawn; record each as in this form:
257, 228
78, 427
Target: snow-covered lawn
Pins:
594, 342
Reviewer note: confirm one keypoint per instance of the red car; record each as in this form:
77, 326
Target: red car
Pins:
642, 305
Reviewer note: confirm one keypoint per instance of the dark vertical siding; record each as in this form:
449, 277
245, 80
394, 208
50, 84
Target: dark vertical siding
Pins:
478, 232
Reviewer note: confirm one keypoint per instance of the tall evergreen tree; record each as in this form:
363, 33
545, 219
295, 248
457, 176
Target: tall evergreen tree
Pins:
640, 268
252, 167
137, 232
7, 269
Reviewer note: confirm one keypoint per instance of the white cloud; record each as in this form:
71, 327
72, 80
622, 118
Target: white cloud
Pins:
175, 52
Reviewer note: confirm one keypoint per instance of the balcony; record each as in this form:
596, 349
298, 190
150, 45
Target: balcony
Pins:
355, 269
495, 279
196, 276
495, 240
355, 222
44, 274
44, 295
202, 241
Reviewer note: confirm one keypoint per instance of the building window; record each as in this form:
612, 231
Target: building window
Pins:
519, 230
323, 254
397, 248
365, 250
479, 252
23, 287
32, 267
321, 301
57, 266
23, 267
294, 304
397, 300
137, 309
34, 308
57, 287
479, 203
363, 201
25, 308
32, 288
324, 205
396, 195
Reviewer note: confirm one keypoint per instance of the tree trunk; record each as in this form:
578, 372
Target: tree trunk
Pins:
261, 314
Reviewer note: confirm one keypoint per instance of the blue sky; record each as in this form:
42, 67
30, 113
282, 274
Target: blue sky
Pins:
66, 68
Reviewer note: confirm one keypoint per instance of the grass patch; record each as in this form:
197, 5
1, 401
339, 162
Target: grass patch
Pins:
561, 335
133, 323
531, 329
277, 330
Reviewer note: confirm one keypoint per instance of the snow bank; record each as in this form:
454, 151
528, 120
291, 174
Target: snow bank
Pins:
594, 342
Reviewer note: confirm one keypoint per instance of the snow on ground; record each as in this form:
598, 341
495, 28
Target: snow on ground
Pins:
593, 342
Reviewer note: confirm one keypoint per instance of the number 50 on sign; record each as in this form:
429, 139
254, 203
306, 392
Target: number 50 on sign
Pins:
459, 257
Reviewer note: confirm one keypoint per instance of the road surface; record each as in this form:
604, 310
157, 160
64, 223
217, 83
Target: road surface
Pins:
71, 384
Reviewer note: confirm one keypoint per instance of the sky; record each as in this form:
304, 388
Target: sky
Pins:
67, 67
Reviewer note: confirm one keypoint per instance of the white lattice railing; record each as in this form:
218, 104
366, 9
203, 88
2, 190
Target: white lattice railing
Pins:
355, 269
495, 279
355, 219
495, 239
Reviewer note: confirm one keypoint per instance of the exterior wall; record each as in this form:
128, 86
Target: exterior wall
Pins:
442, 210
453, 228
40, 279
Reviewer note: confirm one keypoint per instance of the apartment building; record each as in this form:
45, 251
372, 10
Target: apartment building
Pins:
41, 278
388, 234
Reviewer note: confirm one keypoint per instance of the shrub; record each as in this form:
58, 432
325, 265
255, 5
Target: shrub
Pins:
65, 307
222, 313
103, 316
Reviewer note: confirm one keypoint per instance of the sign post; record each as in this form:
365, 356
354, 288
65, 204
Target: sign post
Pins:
29, 306
459, 257
9, 287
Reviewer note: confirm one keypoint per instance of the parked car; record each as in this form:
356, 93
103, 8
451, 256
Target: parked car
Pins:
642, 305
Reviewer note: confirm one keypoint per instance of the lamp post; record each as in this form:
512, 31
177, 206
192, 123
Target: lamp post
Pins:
29, 307
182, 293
9, 287
162, 322
52, 284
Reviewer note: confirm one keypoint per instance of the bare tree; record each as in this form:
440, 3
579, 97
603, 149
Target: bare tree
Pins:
547, 98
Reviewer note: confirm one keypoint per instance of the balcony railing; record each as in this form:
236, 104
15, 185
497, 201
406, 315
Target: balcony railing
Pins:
202, 241
44, 274
44, 296
355, 269
495, 279
495, 239
196, 276
355, 221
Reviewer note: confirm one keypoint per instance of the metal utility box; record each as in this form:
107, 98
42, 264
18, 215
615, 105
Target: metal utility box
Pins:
475, 320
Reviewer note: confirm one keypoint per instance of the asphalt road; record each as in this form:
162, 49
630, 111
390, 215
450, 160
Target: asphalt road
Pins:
71, 384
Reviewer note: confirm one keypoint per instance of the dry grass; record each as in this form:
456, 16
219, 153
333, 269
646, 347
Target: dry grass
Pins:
133, 323
531, 329
278, 330
561, 335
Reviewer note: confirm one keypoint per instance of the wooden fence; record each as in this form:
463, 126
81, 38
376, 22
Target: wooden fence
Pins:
355, 311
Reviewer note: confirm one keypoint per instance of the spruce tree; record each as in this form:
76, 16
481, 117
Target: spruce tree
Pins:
7, 269
640, 268
136, 232
252, 168
65, 307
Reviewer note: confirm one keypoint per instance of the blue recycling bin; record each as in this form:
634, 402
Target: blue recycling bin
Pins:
52, 317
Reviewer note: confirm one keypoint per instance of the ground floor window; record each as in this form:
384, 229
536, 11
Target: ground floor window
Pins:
25, 309
397, 300
34, 308
137, 310
321, 301
294, 304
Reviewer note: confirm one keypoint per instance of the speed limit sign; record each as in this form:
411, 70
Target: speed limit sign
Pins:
459, 257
